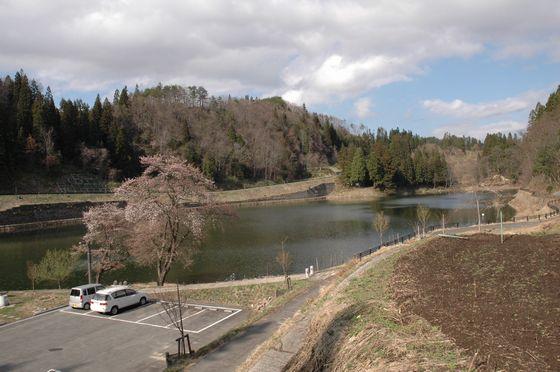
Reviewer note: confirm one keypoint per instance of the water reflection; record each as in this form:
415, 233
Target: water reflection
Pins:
318, 232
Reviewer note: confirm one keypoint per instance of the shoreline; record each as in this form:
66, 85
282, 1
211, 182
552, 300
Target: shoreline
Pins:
311, 190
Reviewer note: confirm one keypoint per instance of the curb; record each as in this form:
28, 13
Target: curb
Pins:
5, 325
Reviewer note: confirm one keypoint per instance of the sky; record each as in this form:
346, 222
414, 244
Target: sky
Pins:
434, 66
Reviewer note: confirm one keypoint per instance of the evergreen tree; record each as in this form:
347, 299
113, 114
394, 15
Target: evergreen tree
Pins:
375, 169
95, 133
358, 173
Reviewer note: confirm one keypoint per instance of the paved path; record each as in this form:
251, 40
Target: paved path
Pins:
232, 354
276, 357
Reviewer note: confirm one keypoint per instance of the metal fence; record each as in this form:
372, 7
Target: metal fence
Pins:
401, 239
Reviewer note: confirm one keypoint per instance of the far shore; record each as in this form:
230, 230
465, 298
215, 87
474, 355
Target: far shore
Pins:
314, 189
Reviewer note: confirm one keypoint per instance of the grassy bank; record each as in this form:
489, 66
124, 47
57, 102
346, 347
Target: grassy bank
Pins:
266, 192
359, 327
11, 201
229, 196
24, 304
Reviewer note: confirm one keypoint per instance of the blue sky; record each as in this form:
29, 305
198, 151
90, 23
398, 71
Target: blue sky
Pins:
476, 79
431, 66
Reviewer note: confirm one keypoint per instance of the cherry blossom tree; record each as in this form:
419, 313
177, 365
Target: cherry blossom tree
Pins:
169, 207
105, 236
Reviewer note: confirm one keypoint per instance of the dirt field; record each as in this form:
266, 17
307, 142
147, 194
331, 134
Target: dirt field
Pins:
500, 302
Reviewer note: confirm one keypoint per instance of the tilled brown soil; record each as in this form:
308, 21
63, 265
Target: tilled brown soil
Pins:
501, 302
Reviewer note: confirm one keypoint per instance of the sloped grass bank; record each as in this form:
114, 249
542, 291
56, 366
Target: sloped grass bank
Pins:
361, 328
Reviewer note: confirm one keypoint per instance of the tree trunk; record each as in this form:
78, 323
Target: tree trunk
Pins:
98, 276
162, 274
59, 285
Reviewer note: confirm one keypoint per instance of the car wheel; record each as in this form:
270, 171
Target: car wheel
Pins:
142, 301
114, 310
86, 306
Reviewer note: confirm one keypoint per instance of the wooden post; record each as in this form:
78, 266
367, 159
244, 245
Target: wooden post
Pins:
501, 227
181, 319
478, 212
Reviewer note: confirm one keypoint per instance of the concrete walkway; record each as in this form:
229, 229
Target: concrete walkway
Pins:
232, 354
276, 357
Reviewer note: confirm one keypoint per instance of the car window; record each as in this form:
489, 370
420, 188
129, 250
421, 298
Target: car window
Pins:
75, 293
90, 291
101, 297
130, 292
119, 294
99, 287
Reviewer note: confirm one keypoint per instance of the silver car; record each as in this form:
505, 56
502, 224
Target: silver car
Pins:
80, 297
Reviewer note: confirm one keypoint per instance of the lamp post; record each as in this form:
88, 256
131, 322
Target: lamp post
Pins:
89, 263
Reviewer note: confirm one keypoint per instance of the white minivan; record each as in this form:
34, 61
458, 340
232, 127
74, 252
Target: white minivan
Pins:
80, 297
112, 299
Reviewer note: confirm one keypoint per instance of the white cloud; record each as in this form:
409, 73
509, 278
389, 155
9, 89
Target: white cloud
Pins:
461, 109
362, 107
480, 130
308, 51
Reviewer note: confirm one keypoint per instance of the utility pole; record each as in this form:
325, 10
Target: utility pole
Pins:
89, 263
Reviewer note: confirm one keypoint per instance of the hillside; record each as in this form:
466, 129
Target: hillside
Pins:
541, 144
233, 140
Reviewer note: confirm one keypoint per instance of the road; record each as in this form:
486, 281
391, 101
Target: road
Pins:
133, 340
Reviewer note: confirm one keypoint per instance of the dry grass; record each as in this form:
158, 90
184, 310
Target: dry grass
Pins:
24, 304
255, 297
360, 328
264, 192
11, 201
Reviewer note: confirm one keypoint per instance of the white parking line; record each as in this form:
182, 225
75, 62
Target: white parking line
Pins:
151, 316
216, 322
114, 319
189, 316
203, 308
214, 307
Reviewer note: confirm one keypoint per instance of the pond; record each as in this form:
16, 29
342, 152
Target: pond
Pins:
322, 232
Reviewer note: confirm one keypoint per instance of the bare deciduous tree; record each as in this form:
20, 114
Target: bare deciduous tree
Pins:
32, 274
169, 208
174, 304
284, 259
381, 224
106, 232
423, 214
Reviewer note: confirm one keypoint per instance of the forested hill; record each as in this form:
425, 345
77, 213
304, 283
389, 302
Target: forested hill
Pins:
242, 140
231, 139
541, 145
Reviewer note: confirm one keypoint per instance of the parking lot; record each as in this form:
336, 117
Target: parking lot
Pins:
137, 338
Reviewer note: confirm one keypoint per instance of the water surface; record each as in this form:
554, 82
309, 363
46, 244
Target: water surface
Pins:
323, 232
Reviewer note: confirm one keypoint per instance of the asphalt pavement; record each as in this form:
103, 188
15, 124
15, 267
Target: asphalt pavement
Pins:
135, 339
